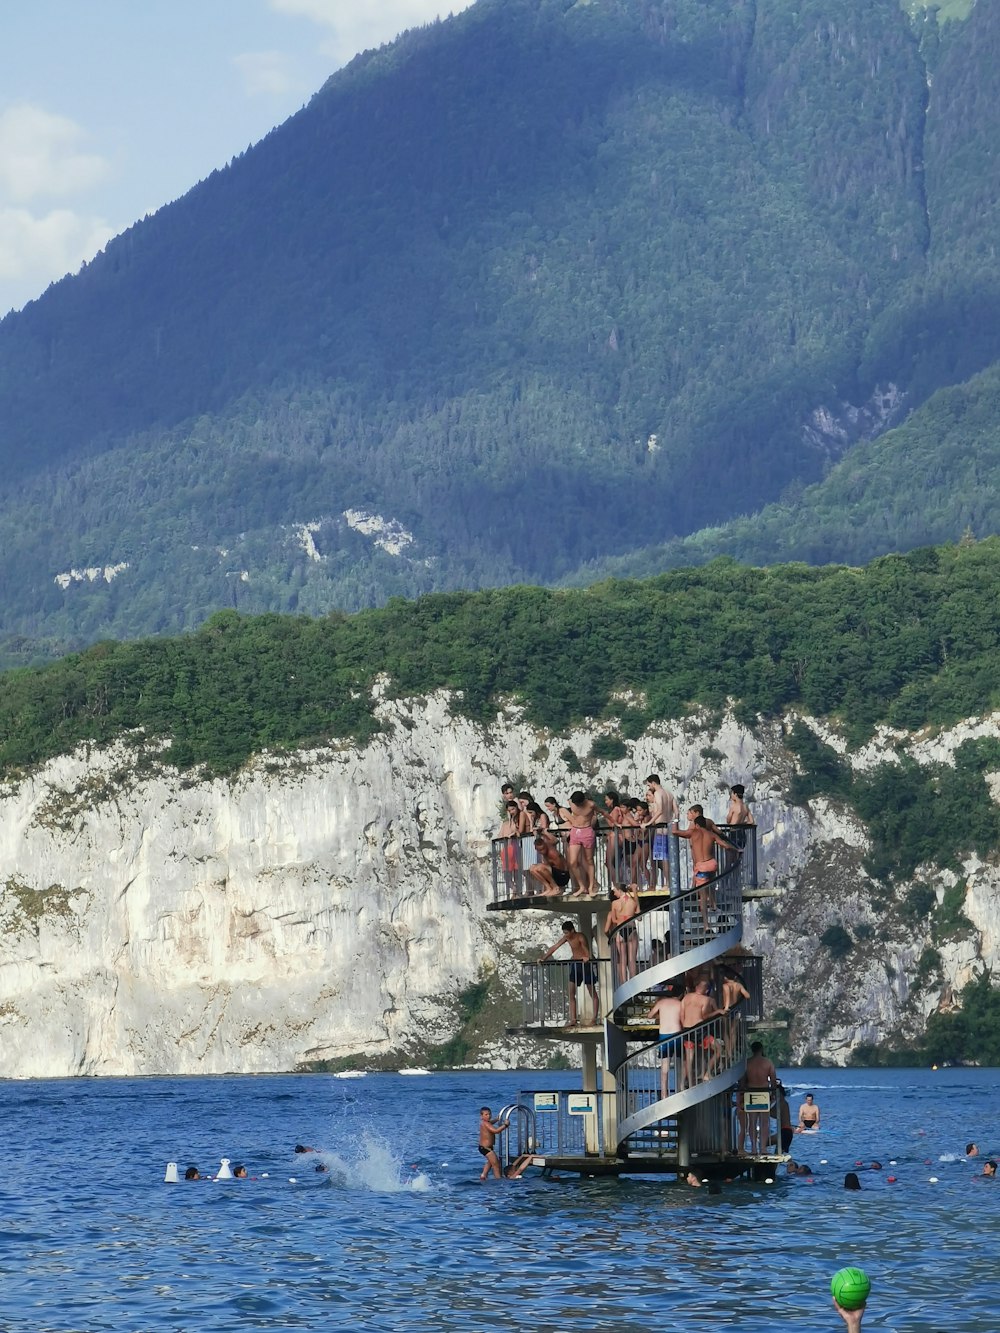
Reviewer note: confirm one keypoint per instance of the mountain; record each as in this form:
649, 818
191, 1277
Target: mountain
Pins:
265, 845
546, 285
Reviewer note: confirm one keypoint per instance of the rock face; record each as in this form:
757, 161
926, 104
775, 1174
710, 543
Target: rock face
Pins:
331, 906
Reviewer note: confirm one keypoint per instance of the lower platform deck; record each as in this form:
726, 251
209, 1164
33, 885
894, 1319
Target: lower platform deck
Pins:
663, 1164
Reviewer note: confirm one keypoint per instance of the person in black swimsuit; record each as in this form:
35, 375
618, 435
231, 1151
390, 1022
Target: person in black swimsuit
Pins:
550, 875
487, 1139
582, 971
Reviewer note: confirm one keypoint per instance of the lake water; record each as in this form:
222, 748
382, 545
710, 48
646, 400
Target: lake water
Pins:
401, 1236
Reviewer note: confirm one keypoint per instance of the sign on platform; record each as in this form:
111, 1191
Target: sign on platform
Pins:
756, 1101
581, 1103
546, 1101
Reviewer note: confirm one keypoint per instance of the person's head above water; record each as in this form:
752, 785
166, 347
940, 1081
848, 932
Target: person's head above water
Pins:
989, 1167
301, 1147
240, 1171
971, 1150
192, 1173
851, 1182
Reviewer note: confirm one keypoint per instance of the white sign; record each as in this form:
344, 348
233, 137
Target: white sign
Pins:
546, 1101
581, 1103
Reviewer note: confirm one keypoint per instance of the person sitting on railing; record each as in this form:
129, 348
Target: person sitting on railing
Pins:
624, 906
698, 1008
662, 811
551, 873
510, 848
582, 817
703, 837
582, 971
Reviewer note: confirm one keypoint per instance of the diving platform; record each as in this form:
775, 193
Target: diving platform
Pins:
650, 1103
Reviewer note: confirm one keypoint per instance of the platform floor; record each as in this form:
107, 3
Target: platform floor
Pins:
659, 1164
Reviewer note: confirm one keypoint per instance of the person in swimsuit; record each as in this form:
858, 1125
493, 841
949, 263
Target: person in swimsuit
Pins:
551, 872
614, 853
703, 835
582, 971
784, 1119
662, 814
582, 818
510, 850
702, 1053
624, 906
808, 1115
487, 1140
667, 1012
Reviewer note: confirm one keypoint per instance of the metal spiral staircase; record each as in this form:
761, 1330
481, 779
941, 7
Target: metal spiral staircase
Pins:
677, 1101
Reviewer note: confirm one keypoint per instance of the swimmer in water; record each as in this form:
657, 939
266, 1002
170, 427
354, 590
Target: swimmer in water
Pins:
192, 1173
808, 1115
240, 1171
971, 1150
989, 1167
851, 1181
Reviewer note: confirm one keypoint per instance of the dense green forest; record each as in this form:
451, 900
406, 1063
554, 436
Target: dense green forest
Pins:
910, 640
549, 284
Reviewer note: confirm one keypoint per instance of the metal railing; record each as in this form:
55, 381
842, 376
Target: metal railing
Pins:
561, 993
619, 856
559, 1123
679, 1073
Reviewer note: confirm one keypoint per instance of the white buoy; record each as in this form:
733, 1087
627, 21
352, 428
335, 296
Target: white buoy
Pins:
933, 1180
171, 1177
224, 1171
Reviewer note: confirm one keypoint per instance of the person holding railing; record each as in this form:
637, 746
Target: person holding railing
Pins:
551, 871
510, 861
582, 970
703, 1051
703, 836
614, 847
667, 1013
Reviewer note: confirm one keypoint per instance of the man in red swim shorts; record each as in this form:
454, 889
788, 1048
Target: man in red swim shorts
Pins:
582, 817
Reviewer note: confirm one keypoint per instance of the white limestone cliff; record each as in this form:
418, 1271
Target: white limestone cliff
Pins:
330, 906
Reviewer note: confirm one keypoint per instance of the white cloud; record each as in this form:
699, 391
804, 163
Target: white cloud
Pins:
41, 154
265, 72
35, 251
357, 24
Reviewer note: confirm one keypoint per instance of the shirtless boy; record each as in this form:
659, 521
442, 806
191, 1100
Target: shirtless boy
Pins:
662, 811
703, 836
739, 811
581, 816
667, 1012
760, 1075
582, 972
808, 1114
551, 872
698, 1007
487, 1139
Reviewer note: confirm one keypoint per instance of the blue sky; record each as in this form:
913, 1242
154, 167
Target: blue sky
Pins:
111, 108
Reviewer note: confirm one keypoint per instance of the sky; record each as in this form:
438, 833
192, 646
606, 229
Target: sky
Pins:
111, 108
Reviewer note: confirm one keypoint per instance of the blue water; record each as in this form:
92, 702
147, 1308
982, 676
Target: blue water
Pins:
401, 1235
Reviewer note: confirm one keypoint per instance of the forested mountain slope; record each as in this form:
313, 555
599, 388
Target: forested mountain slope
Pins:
542, 285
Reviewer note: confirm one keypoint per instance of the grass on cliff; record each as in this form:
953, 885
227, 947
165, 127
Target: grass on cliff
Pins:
908, 640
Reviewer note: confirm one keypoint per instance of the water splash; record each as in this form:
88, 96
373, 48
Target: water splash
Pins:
369, 1164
